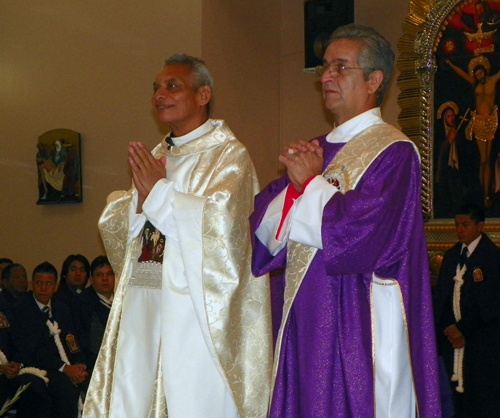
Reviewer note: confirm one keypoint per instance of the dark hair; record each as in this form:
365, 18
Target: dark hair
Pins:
5, 260
99, 261
44, 268
199, 72
475, 211
7, 269
69, 260
375, 54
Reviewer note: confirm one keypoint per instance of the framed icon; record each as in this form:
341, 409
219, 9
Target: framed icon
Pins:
59, 167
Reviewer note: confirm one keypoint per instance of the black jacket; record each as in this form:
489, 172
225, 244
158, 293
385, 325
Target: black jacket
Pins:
36, 346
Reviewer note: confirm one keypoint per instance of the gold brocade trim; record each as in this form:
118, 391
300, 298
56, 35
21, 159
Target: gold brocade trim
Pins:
217, 136
146, 274
237, 304
353, 159
302, 256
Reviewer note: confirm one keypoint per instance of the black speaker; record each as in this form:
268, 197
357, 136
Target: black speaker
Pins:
321, 18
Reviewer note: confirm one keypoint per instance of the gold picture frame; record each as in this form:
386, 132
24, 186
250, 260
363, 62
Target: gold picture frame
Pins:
433, 48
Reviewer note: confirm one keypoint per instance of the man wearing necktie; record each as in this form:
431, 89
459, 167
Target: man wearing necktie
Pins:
467, 316
38, 318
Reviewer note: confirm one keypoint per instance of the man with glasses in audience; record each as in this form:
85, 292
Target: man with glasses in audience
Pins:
356, 336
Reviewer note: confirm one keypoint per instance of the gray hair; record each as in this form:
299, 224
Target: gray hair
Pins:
199, 72
375, 54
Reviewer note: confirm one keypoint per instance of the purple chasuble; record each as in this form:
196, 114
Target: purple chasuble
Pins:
325, 365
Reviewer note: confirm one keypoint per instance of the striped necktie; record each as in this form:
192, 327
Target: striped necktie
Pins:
105, 303
46, 311
463, 256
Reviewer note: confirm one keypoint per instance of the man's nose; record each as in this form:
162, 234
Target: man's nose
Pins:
160, 93
326, 76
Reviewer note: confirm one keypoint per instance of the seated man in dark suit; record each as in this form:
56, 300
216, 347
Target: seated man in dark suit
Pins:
15, 284
34, 402
45, 336
96, 304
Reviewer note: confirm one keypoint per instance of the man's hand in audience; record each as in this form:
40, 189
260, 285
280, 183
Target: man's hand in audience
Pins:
77, 373
10, 370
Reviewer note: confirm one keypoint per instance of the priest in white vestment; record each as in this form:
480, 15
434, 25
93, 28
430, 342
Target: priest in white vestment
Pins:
189, 331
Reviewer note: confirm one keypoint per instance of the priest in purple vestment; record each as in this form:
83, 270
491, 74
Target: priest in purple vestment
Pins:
356, 336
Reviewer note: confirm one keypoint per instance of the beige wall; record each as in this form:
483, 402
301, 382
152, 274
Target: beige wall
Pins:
89, 67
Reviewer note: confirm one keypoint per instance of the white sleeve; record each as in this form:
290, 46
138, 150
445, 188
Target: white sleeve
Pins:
268, 228
170, 210
307, 212
136, 220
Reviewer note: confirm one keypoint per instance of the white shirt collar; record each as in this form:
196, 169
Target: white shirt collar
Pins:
41, 305
105, 299
195, 133
347, 130
472, 246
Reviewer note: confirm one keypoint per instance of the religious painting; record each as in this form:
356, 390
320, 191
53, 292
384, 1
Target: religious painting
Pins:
152, 244
466, 141
58, 161
449, 66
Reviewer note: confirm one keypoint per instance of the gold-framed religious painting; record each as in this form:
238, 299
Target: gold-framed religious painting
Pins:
449, 65
59, 168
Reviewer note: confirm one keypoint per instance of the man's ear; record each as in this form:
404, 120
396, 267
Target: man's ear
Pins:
375, 80
204, 94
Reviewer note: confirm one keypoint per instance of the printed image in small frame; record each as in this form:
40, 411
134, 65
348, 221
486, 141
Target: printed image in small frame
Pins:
59, 167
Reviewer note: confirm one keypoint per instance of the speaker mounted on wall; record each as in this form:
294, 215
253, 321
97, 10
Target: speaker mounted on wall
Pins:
321, 18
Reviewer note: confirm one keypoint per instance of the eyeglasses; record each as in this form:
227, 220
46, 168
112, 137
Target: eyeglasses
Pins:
335, 69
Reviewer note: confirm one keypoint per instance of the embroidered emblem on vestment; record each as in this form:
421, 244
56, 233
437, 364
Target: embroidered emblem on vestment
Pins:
337, 176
